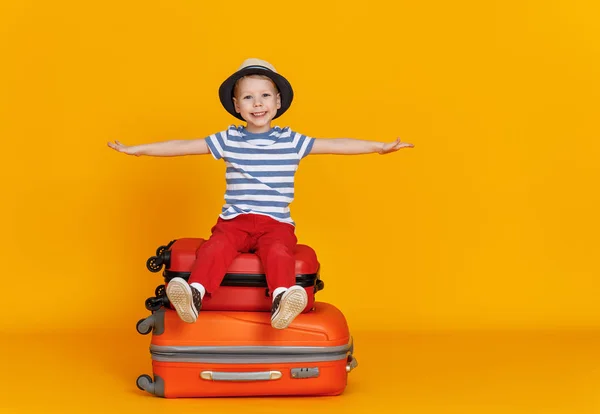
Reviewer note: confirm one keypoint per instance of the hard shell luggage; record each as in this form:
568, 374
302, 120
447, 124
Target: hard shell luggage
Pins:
240, 354
244, 287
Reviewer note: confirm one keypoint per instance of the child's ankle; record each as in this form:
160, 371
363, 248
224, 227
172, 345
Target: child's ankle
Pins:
199, 288
277, 291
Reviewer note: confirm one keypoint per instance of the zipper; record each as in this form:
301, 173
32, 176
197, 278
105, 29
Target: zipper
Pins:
247, 279
251, 354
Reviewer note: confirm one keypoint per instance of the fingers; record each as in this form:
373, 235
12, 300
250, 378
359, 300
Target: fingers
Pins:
116, 145
404, 145
399, 144
395, 146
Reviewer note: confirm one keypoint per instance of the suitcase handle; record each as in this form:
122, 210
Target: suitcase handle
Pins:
351, 363
240, 376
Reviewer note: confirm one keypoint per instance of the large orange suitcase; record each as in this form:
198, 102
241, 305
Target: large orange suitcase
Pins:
244, 287
240, 354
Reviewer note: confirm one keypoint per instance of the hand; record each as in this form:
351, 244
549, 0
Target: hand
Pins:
123, 148
394, 146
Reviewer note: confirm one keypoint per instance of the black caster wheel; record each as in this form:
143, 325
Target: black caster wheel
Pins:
154, 264
160, 290
143, 328
161, 250
320, 285
153, 304
143, 381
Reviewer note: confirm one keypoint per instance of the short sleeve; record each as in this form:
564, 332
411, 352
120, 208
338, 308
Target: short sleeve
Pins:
303, 144
216, 144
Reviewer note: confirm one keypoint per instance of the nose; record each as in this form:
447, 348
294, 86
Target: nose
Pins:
258, 102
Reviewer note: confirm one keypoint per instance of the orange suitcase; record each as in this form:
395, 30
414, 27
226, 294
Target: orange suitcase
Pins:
227, 354
244, 287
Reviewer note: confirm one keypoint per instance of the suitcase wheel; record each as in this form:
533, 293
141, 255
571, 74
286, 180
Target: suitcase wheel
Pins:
143, 381
160, 290
320, 285
156, 387
154, 264
154, 303
161, 250
144, 326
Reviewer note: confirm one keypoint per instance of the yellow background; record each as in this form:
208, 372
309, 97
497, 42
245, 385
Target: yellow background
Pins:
490, 222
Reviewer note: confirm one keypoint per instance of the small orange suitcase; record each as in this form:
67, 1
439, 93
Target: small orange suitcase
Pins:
230, 354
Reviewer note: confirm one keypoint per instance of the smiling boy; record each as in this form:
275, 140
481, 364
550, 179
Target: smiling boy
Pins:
261, 164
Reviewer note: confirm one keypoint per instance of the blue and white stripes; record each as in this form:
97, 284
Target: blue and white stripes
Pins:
260, 169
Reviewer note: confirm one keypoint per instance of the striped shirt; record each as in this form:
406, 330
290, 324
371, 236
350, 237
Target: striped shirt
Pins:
260, 170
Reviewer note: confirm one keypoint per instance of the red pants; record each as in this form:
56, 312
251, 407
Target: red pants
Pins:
271, 240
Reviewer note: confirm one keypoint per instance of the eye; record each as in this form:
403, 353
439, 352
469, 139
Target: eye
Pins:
266, 95
247, 97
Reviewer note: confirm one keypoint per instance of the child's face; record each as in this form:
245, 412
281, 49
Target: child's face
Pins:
257, 101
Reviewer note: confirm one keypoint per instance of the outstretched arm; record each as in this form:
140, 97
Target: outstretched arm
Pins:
164, 149
350, 146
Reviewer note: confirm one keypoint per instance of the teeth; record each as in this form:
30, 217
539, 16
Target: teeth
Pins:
258, 113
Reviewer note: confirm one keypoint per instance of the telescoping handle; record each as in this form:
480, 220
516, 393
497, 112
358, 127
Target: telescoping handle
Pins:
240, 376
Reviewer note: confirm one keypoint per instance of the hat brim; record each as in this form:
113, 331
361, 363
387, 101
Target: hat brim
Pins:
285, 89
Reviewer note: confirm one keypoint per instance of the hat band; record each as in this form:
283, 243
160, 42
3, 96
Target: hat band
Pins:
258, 67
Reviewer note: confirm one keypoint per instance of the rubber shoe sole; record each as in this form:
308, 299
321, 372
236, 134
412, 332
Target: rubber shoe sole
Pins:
293, 302
180, 296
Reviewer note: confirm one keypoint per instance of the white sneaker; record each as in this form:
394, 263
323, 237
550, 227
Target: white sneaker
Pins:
186, 300
287, 305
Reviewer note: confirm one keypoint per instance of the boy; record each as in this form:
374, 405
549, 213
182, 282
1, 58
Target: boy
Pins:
261, 162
